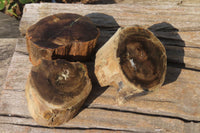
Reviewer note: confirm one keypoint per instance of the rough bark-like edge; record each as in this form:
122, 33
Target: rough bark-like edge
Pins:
36, 53
108, 70
45, 113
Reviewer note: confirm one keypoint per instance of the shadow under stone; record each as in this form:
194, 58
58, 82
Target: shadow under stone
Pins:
107, 26
169, 36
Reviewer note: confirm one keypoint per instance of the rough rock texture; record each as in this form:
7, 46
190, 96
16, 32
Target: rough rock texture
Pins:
56, 90
133, 61
62, 36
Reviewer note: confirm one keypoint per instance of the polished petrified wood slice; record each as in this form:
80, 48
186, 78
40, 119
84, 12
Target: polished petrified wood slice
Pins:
56, 90
64, 35
133, 61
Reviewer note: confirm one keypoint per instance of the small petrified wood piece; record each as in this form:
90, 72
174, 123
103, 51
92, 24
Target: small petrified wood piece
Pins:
133, 61
56, 90
64, 35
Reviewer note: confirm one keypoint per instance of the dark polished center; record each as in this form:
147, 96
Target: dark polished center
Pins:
58, 81
62, 29
140, 60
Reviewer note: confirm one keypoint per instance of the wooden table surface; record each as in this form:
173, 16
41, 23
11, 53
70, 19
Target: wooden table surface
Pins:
174, 108
9, 26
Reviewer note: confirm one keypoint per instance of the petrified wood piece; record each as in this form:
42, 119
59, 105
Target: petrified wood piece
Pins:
56, 90
133, 61
63, 35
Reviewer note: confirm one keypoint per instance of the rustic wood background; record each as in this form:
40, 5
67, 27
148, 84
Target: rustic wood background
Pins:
9, 27
175, 107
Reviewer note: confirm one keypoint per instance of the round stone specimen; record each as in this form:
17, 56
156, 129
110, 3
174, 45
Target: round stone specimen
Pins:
56, 90
62, 36
133, 61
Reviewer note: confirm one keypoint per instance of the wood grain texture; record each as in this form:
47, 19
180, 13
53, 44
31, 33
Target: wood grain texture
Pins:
165, 20
173, 108
9, 26
157, 2
123, 14
100, 120
7, 48
9, 128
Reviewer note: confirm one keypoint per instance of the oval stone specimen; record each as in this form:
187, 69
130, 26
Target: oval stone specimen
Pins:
56, 90
62, 36
133, 61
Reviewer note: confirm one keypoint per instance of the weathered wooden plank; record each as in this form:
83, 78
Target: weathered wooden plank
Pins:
111, 120
9, 27
179, 97
92, 119
179, 38
121, 14
99, 119
158, 2
23, 69
7, 47
18, 128
183, 51
190, 57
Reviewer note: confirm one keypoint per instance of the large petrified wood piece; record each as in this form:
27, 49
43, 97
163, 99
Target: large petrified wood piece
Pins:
133, 61
56, 90
63, 35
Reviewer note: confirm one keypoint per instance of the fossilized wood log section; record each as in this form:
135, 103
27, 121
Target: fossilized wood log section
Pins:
63, 35
56, 90
133, 61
